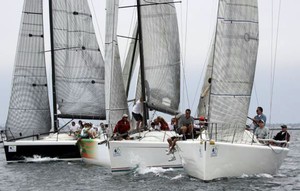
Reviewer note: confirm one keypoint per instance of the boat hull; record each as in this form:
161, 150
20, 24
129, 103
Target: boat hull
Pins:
94, 151
18, 151
210, 160
150, 151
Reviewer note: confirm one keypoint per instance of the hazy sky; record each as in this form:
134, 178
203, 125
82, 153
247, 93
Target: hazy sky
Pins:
195, 38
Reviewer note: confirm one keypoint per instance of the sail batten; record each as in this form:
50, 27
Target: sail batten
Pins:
79, 66
29, 110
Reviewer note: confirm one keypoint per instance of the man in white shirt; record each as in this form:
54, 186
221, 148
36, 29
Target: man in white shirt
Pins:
74, 128
261, 132
137, 113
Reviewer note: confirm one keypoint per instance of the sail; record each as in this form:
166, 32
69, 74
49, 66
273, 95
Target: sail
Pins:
131, 60
161, 55
29, 111
115, 92
79, 65
233, 65
202, 109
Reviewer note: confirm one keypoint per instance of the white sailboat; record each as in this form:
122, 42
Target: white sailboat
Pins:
160, 70
158, 85
95, 151
77, 80
226, 149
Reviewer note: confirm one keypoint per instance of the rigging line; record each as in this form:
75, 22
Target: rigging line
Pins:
128, 40
255, 92
271, 69
202, 71
97, 24
185, 50
275, 56
181, 26
184, 58
207, 55
186, 30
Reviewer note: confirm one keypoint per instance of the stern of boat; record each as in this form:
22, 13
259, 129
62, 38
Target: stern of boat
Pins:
94, 151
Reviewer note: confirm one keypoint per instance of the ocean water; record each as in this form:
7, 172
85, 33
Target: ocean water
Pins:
48, 174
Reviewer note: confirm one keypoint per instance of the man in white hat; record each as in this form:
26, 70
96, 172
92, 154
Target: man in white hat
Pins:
122, 128
261, 132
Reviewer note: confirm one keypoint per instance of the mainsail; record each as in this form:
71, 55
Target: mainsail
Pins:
161, 55
79, 66
116, 102
232, 67
29, 111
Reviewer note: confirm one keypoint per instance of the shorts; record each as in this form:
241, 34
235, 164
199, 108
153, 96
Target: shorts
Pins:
137, 116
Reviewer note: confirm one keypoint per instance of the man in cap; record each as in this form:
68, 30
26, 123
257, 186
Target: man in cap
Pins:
283, 135
122, 128
261, 132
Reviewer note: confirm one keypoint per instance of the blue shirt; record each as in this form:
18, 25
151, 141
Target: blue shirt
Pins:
259, 117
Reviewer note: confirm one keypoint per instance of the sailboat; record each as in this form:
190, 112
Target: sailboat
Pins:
226, 149
77, 81
160, 70
95, 151
158, 84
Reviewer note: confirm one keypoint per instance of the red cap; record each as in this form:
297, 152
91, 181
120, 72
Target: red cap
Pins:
201, 118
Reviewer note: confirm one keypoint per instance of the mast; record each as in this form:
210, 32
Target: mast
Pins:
53, 67
140, 35
131, 65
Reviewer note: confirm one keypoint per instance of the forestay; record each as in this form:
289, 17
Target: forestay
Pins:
115, 92
29, 111
161, 55
79, 66
232, 66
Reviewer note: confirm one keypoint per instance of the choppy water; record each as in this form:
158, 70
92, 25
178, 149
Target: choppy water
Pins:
53, 175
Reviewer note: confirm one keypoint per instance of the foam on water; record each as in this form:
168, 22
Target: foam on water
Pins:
155, 170
37, 158
177, 177
264, 175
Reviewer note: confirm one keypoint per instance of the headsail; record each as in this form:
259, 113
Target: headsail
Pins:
29, 111
234, 61
79, 66
115, 92
161, 55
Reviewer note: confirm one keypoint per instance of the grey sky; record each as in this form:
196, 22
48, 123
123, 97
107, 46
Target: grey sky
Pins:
200, 25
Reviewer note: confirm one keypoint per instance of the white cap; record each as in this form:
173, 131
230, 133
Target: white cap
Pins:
125, 115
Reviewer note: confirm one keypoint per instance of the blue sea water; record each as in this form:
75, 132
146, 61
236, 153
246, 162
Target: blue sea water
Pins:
48, 174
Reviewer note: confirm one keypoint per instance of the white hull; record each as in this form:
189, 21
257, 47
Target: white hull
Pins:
208, 161
150, 151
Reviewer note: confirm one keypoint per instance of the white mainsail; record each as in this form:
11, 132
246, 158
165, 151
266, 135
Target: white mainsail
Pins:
79, 66
161, 55
232, 63
116, 102
29, 111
